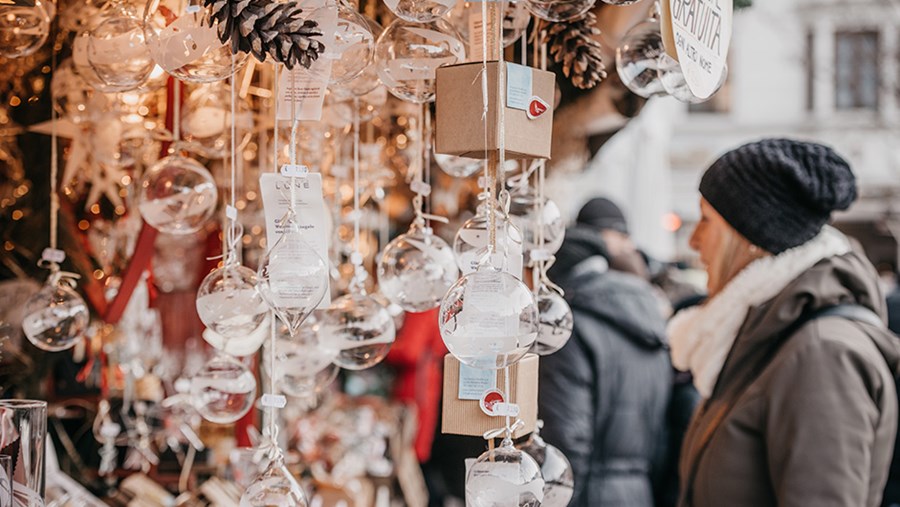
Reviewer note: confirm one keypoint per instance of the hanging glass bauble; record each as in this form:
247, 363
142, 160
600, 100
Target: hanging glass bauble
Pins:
420, 11
408, 54
559, 481
224, 390
637, 58
240, 347
458, 167
367, 80
229, 304
177, 195
416, 269
117, 52
524, 214
556, 322
360, 328
300, 358
504, 477
56, 318
206, 120
353, 47
473, 237
489, 319
275, 487
672, 79
515, 20
557, 11
293, 277
183, 41
23, 29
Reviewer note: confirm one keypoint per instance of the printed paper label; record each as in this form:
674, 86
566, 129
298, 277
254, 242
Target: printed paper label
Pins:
311, 214
518, 86
306, 89
702, 34
473, 382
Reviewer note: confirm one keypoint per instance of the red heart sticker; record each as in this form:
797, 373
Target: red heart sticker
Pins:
490, 398
536, 107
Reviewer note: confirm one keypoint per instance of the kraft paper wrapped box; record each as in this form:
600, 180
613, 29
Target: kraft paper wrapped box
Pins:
459, 126
462, 414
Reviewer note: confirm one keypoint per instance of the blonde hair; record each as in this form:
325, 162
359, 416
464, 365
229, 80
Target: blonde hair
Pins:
734, 255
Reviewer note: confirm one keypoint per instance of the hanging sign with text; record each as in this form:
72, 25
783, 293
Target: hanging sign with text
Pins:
702, 33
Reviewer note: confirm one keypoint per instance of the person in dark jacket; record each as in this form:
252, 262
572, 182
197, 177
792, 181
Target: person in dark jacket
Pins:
790, 351
603, 396
892, 488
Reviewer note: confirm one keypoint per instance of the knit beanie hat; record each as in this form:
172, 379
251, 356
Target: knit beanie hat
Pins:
601, 213
778, 193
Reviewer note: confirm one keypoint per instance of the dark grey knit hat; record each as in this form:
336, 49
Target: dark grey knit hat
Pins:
778, 193
601, 213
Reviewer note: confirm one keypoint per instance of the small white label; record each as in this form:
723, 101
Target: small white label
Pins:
541, 254
294, 170
231, 212
274, 401
506, 409
473, 382
420, 187
482, 182
518, 86
192, 9
304, 89
356, 259
53, 255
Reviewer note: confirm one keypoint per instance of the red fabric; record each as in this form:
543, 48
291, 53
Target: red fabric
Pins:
418, 357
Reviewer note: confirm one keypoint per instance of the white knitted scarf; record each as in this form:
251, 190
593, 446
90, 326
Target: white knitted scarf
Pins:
701, 337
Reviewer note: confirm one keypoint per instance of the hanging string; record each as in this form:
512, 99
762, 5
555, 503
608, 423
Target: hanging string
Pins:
176, 122
421, 178
233, 229
359, 272
426, 161
275, 128
54, 157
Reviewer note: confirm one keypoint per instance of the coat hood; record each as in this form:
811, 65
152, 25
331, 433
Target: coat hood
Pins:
621, 300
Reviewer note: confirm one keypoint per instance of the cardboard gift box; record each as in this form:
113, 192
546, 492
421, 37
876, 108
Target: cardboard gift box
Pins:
462, 413
528, 120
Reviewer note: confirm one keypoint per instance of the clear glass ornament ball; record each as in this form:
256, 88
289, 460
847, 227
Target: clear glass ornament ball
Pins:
224, 390
293, 277
56, 318
275, 487
23, 30
489, 319
118, 54
515, 19
420, 11
673, 80
504, 477
559, 480
557, 11
303, 362
408, 54
360, 328
354, 45
525, 215
473, 236
229, 304
458, 167
416, 269
637, 59
556, 322
185, 44
177, 195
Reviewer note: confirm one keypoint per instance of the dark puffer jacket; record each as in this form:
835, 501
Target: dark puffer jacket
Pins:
603, 397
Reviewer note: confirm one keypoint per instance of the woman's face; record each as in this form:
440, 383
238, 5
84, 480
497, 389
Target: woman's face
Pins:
722, 250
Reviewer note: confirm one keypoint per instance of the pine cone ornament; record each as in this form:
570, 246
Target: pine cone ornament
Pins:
267, 28
573, 46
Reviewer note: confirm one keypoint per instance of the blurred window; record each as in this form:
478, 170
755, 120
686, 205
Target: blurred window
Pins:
856, 70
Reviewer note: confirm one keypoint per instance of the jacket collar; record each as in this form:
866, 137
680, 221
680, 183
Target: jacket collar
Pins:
701, 337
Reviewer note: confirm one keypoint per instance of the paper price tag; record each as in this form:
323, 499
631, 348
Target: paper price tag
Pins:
541, 254
518, 86
301, 92
53, 255
274, 401
312, 215
294, 170
420, 187
192, 9
506, 410
473, 382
